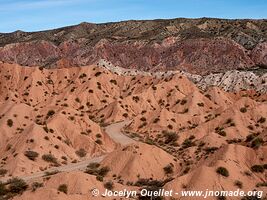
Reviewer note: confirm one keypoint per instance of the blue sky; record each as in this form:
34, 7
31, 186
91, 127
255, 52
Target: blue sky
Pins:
33, 15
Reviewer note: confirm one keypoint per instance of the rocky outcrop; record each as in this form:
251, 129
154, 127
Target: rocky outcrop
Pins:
230, 81
259, 54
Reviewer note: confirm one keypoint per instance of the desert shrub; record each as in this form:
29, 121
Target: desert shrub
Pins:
3, 172
228, 121
256, 143
93, 169
238, 183
257, 168
17, 186
222, 171
170, 126
98, 141
46, 137
168, 169
143, 119
83, 75
136, 98
243, 109
200, 104
93, 165
263, 184
250, 137
113, 81
149, 141
220, 131
103, 171
185, 110
77, 100
50, 113
46, 129
187, 143
261, 120
125, 115
184, 101
3, 189
98, 74
156, 120
36, 185
10, 122
32, 155
170, 137
63, 188
81, 152
109, 185
50, 158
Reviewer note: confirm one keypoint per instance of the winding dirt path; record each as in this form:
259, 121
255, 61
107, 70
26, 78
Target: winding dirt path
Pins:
113, 130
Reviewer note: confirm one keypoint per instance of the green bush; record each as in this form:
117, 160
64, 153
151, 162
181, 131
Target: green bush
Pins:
222, 171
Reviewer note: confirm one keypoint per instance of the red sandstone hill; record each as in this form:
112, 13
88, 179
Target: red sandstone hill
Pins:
198, 46
180, 137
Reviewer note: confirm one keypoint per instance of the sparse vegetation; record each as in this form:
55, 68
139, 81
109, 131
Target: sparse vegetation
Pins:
94, 169
81, 152
239, 184
222, 171
36, 185
109, 185
170, 137
3, 172
50, 158
63, 188
168, 169
243, 109
10, 122
32, 155
257, 168
50, 113
261, 120
17, 186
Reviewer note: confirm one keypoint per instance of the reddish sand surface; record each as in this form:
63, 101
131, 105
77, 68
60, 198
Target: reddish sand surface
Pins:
86, 127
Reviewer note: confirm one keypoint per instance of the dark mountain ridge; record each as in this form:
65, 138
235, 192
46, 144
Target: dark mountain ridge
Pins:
199, 46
